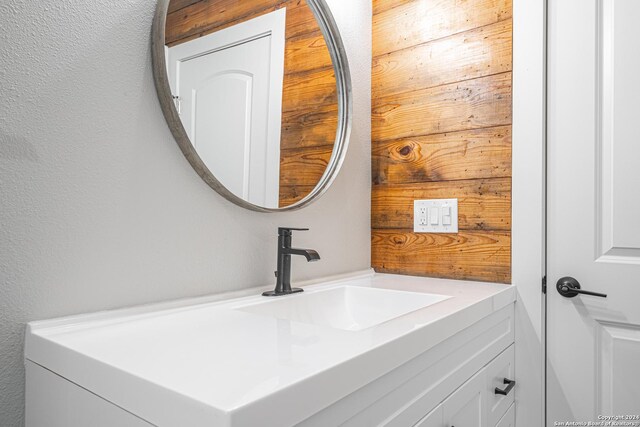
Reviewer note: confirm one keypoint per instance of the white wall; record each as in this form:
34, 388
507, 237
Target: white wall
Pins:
98, 207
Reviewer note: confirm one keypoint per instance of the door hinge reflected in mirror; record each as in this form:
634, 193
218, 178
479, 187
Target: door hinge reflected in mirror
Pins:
544, 284
176, 100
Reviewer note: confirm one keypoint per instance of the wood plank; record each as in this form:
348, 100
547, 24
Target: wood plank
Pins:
469, 255
416, 22
300, 19
290, 194
175, 5
304, 167
202, 18
174, 39
308, 52
472, 54
472, 104
380, 6
483, 204
208, 16
313, 89
309, 127
479, 153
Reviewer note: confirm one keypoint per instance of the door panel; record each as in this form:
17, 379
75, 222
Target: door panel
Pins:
618, 143
618, 389
593, 208
224, 100
221, 131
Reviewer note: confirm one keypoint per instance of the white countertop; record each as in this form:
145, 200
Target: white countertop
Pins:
203, 363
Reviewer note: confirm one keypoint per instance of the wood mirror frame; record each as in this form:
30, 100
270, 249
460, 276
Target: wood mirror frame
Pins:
344, 93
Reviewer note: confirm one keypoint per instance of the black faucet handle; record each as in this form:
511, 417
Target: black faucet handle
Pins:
287, 231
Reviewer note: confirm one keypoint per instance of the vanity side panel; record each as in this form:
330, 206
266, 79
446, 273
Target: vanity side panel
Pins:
405, 395
52, 401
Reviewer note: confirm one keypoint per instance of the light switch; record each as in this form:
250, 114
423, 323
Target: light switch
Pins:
435, 216
446, 215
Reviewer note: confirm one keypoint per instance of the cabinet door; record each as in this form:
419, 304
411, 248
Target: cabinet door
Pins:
509, 419
499, 369
466, 407
435, 418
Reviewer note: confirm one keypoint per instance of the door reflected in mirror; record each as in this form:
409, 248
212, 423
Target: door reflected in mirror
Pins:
254, 86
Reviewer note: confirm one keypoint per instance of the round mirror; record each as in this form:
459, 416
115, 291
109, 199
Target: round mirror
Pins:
257, 94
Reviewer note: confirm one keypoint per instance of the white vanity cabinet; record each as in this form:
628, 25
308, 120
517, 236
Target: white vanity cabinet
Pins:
224, 363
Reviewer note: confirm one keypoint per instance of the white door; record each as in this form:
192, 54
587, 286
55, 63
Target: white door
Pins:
229, 90
593, 343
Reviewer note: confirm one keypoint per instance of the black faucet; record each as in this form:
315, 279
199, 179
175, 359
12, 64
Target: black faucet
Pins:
283, 275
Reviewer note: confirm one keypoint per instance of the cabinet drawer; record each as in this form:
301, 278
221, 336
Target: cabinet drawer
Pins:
496, 371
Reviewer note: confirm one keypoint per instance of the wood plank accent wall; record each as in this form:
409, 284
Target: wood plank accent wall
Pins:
310, 103
441, 128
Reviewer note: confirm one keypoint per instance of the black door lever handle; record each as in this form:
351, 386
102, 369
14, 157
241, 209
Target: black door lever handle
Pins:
569, 287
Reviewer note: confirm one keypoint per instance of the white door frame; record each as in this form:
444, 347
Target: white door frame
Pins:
529, 206
271, 24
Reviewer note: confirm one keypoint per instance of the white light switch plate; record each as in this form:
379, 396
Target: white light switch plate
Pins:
435, 216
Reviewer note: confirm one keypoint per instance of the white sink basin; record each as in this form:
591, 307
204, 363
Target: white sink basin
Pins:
351, 308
